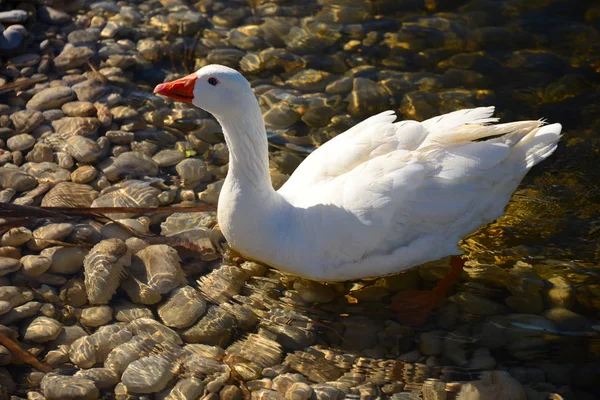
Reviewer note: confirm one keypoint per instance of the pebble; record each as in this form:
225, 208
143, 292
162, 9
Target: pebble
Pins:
73, 57
50, 98
562, 294
42, 329
56, 387
566, 319
147, 375
183, 307
9, 265
26, 121
96, 316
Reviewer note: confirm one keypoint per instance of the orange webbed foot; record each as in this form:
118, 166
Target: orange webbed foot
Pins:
413, 307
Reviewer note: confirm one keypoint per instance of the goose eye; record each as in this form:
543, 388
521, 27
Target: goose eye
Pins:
213, 81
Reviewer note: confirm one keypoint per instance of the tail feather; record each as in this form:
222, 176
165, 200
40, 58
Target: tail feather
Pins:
537, 145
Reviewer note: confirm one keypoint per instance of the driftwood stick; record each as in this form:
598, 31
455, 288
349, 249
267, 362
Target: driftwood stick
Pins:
26, 356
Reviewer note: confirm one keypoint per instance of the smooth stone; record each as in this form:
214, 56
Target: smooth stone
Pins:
9, 265
83, 149
566, 319
73, 57
562, 294
56, 387
89, 90
168, 158
14, 178
53, 16
493, 385
132, 164
79, 109
42, 329
57, 231
231, 392
50, 98
70, 126
299, 391
20, 142
70, 194
96, 316
35, 265
120, 137
13, 16
26, 310
147, 375
183, 307
65, 260
27, 120
15, 237
41, 152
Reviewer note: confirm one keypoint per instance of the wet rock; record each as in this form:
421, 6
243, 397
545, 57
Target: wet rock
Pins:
299, 391
103, 267
89, 90
103, 378
154, 271
9, 265
47, 171
131, 164
14, 178
214, 328
168, 158
366, 98
15, 237
191, 171
147, 375
431, 343
83, 149
57, 387
84, 174
70, 126
26, 121
65, 260
96, 316
50, 98
53, 16
41, 152
79, 109
49, 232
73, 57
562, 294
183, 307
42, 329
73, 293
120, 137
20, 142
69, 194
493, 385
477, 305
35, 265
566, 319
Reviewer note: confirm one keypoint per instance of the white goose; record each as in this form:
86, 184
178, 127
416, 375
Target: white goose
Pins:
380, 198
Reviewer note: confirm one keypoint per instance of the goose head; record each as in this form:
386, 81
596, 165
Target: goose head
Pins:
218, 89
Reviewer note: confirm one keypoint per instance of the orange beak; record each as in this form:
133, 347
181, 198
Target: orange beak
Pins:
181, 89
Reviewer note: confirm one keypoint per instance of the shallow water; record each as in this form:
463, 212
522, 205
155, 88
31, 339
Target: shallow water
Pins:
528, 303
